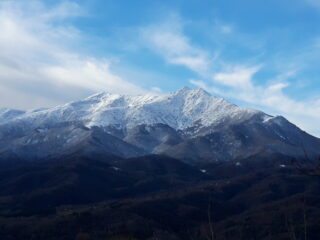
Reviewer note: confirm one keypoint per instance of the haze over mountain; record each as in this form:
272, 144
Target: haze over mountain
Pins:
189, 124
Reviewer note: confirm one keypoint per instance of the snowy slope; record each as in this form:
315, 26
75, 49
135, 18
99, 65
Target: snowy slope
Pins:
7, 114
179, 110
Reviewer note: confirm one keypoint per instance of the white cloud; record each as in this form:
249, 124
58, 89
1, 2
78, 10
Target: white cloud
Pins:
89, 74
237, 76
168, 40
38, 62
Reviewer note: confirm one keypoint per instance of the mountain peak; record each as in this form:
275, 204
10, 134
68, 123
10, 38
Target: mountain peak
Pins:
201, 91
184, 89
195, 91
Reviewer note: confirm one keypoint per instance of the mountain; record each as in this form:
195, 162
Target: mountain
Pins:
184, 165
189, 124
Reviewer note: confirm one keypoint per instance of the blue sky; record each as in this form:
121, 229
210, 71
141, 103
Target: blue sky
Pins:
263, 54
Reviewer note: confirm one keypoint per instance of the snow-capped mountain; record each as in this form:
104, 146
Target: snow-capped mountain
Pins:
179, 110
189, 124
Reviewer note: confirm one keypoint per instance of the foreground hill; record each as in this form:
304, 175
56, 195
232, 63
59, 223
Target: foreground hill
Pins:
156, 197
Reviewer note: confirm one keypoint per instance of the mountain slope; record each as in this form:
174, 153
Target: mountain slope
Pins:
249, 138
189, 124
65, 139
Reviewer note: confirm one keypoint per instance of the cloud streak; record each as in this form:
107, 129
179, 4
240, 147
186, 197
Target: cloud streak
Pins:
167, 39
237, 77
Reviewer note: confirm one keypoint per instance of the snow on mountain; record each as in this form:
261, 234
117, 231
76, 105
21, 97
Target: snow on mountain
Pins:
179, 110
189, 124
7, 114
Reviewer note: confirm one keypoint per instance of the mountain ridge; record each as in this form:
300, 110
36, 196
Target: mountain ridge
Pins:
188, 124
182, 103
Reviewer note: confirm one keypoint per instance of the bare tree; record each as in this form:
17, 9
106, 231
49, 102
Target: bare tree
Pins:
305, 224
211, 220
291, 229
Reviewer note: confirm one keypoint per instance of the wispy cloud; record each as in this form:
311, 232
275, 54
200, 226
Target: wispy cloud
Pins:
237, 77
36, 51
168, 40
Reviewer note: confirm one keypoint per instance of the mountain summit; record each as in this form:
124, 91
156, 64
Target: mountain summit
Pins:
189, 124
179, 110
